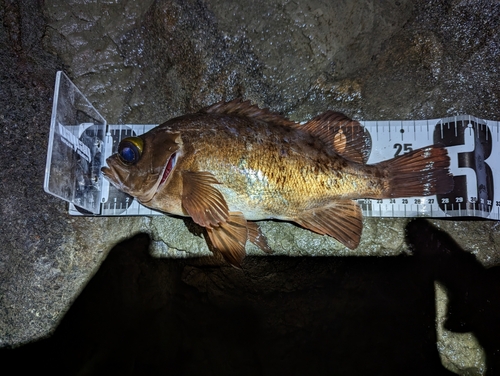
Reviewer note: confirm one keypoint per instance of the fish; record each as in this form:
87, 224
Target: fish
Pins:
232, 164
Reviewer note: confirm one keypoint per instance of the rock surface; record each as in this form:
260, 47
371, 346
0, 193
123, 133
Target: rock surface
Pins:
144, 62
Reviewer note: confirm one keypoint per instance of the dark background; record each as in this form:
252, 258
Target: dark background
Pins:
278, 315
345, 316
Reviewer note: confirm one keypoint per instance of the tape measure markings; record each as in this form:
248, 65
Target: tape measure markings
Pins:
474, 161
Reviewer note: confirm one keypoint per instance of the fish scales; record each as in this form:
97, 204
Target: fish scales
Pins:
233, 163
281, 171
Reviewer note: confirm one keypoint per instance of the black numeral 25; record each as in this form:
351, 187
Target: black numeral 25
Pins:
402, 148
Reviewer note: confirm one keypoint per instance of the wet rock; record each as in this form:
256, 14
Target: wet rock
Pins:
144, 62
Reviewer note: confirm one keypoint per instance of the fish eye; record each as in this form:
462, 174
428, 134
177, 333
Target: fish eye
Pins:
130, 149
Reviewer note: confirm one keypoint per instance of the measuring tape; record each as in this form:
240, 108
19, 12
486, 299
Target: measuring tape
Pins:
80, 140
473, 146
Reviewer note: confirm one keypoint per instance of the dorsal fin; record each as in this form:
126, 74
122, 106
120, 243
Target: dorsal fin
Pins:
239, 107
346, 136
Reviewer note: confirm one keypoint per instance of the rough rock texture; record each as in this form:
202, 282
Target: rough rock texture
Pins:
467, 304
459, 351
282, 315
144, 62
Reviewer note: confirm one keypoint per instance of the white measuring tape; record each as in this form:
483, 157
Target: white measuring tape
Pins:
80, 141
474, 148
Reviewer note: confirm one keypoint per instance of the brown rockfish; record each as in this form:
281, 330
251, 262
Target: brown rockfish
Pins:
233, 163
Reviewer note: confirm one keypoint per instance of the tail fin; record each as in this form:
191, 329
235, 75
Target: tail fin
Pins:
422, 172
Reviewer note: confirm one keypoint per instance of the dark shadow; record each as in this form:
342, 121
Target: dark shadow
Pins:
279, 315
474, 291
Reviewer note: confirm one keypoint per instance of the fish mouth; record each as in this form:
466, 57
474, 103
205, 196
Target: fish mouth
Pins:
110, 174
169, 166
118, 176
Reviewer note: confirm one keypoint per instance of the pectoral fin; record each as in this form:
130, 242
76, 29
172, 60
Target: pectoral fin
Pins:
341, 220
229, 238
204, 203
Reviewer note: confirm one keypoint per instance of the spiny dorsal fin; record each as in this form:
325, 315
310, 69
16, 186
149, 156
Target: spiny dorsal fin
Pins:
238, 107
346, 136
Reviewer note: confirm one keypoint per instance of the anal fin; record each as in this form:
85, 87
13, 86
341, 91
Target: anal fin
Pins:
230, 237
341, 220
257, 237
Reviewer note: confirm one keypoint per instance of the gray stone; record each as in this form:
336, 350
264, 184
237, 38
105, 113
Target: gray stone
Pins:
461, 353
144, 62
